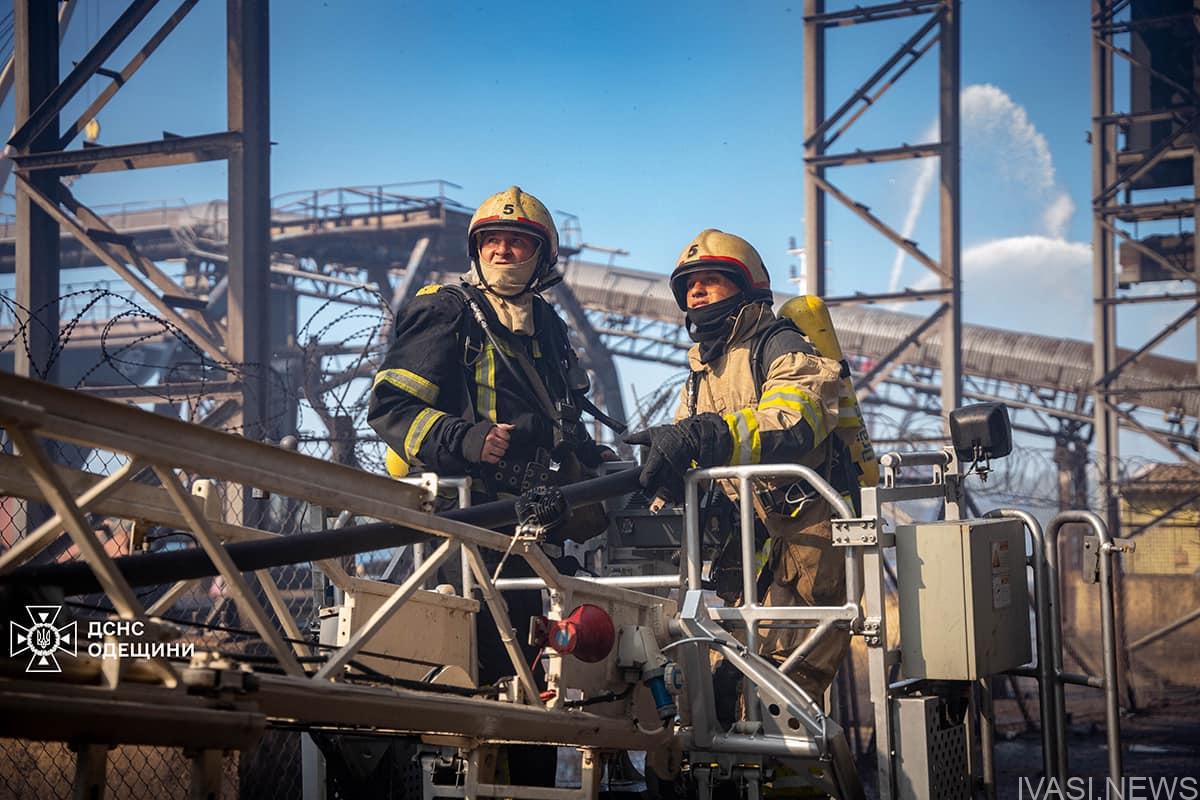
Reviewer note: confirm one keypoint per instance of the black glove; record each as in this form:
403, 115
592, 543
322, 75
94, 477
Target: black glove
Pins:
670, 456
703, 439
472, 443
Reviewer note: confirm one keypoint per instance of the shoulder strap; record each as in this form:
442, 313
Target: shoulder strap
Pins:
782, 337
693, 392
524, 372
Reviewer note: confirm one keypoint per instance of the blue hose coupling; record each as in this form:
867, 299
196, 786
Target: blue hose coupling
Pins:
662, 698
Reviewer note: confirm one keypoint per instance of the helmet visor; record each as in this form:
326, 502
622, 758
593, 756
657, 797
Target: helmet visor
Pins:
679, 278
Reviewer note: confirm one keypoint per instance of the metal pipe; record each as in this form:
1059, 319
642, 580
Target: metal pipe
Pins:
814, 146
1107, 633
1154, 636
757, 745
324, 703
691, 531
1046, 607
1056, 645
1073, 678
987, 737
624, 581
923, 458
804, 648
847, 613
464, 500
749, 584
749, 553
841, 510
151, 570
1081, 680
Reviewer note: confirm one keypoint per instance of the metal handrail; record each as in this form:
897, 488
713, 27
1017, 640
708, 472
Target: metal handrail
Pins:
1108, 636
1049, 648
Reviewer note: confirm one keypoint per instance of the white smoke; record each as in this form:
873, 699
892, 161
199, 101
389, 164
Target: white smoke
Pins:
928, 169
1030, 283
998, 135
1058, 214
998, 129
992, 120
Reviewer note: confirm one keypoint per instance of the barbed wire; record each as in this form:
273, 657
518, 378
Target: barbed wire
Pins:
341, 341
124, 357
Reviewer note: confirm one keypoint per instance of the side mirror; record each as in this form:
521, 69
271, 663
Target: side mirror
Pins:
980, 433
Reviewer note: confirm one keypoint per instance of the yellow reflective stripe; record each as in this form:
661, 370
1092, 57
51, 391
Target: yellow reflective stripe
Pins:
848, 416
747, 444
410, 382
794, 399
429, 289
762, 557
485, 384
422, 424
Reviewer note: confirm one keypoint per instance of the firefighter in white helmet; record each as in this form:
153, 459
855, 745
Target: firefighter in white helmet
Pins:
758, 392
482, 372
481, 380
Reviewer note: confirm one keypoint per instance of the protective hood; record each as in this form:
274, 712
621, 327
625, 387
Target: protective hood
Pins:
506, 286
710, 325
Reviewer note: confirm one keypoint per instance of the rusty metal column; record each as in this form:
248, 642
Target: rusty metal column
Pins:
1104, 319
1104, 315
37, 263
951, 207
250, 207
1196, 235
814, 115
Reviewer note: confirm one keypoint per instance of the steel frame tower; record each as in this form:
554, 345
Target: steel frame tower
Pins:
45, 205
821, 131
1118, 172
1160, 130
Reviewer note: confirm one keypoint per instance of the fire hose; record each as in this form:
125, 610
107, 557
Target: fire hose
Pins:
158, 568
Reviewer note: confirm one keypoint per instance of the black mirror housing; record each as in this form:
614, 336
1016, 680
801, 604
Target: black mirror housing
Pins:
981, 432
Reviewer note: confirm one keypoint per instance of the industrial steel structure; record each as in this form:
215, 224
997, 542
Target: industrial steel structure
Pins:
226, 698
822, 130
1158, 154
222, 340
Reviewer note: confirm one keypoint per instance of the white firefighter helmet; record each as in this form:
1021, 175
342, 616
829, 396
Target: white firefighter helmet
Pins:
517, 210
716, 251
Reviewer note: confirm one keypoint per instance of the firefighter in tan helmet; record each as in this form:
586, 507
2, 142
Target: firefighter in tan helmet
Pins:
758, 392
481, 380
482, 371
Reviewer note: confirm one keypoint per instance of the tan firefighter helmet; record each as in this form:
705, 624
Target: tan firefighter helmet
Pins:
717, 251
517, 210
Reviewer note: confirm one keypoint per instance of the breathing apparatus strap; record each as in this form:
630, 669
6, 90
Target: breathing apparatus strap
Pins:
614, 425
528, 371
540, 396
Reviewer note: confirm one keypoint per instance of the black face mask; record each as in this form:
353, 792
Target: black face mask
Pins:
710, 325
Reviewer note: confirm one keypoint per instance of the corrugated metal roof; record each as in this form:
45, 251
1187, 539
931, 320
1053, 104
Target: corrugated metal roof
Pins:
1026, 358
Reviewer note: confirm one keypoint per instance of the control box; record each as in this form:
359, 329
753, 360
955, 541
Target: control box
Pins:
964, 602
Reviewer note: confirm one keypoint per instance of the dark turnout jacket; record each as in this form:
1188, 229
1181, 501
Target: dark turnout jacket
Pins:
442, 374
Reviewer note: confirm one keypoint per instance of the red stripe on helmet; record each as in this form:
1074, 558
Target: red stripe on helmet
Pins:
519, 220
533, 222
730, 259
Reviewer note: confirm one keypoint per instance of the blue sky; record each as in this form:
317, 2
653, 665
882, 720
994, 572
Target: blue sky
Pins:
651, 121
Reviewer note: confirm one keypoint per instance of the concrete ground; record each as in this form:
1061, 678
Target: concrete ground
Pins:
1160, 741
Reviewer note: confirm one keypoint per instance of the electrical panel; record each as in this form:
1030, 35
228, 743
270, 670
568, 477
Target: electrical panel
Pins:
964, 602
